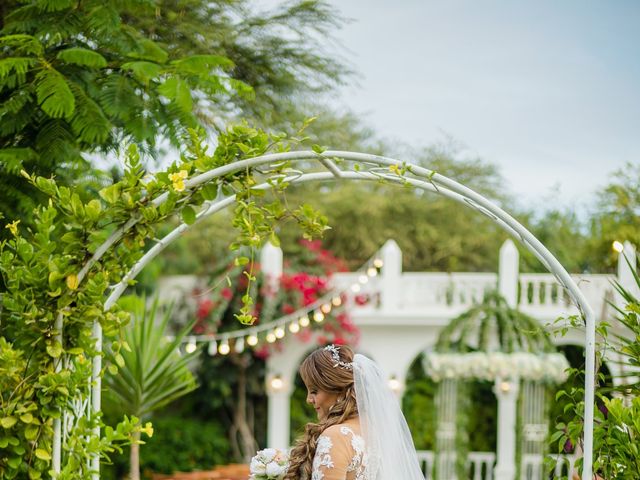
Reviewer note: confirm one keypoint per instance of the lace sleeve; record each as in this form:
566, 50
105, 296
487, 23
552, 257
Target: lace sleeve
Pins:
333, 457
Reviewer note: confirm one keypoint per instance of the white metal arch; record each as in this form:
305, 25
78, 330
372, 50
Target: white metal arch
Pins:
372, 168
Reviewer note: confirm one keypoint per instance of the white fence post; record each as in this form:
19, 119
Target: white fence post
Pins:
391, 272
506, 391
508, 272
271, 262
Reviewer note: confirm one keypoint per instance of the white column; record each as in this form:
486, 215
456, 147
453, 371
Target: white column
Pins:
271, 263
391, 255
279, 390
508, 272
507, 395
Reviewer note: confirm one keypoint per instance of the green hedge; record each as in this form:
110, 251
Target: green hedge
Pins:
182, 444
178, 445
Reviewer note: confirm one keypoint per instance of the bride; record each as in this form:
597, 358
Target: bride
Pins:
361, 433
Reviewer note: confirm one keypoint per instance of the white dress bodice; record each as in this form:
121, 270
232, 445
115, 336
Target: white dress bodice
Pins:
340, 454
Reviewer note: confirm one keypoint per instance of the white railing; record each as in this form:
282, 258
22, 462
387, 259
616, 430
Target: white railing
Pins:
424, 290
541, 290
480, 465
539, 294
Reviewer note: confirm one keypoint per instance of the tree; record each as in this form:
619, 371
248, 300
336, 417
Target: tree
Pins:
281, 52
616, 217
151, 373
79, 78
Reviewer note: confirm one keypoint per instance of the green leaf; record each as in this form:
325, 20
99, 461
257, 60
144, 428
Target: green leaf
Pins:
201, 64
188, 215
177, 90
54, 94
110, 194
143, 71
22, 44
119, 360
8, 422
55, 349
209, 191
149, 50
82, 57
241, 261
26, 418
318, 149
42, 454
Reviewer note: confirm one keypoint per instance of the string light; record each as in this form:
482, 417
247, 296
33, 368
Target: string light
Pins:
394, 384
277, 383
617, 246
240, 345
224, 347
191, 346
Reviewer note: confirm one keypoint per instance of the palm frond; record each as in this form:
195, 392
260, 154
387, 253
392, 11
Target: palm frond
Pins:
82, 57
54, 94
154, 373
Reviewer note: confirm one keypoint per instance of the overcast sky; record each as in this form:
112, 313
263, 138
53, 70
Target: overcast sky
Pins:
548, 90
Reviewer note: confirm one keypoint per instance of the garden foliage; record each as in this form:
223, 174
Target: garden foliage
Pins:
57, 275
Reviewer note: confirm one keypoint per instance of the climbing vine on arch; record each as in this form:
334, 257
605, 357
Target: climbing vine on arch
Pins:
58, 273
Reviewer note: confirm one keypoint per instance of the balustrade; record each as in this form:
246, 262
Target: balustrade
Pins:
480, 466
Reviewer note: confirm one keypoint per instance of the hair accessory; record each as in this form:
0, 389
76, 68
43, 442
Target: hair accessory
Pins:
335, 354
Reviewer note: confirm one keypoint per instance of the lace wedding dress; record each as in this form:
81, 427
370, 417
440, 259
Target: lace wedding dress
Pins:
340, 454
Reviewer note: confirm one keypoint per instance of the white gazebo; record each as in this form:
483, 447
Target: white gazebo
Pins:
496, 343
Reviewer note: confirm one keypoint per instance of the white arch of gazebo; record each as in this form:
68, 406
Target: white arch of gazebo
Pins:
372, 168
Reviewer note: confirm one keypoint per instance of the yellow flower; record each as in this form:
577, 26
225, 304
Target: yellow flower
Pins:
13, 227
177, 180
148, 429
72, 282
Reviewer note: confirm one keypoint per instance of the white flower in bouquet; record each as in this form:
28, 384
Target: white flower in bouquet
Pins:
269, 464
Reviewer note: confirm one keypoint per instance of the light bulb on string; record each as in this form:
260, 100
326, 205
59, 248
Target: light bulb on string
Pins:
271, 337
240, 345
191, 345
617, 246
326, 308
294, 327
252, 340
378, 263
355, 288
213, 348
318, 316
372, 271
363, 279
304, 321
337, 301
224, 347
279, 332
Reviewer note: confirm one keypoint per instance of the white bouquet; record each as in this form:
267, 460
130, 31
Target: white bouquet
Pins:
269, 464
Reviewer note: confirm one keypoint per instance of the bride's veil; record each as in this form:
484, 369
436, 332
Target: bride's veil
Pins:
391, 453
